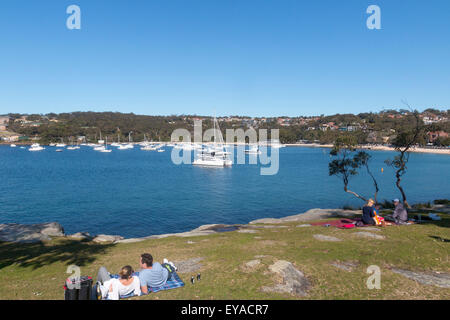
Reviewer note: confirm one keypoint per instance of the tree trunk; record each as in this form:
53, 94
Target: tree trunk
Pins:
355, 194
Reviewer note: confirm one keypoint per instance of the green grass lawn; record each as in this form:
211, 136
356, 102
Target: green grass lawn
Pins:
38, 271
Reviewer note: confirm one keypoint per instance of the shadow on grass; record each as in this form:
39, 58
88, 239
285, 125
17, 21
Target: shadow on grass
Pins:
37, 255
444, 222
440, 239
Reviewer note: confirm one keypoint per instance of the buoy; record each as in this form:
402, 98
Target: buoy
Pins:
382, 169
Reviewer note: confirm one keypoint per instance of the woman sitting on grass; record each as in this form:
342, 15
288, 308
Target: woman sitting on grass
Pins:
370, 214
113, 289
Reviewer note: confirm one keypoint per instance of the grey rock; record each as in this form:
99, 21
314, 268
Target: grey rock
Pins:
313, 214
14, 232
190, 265
346, 265
252, 263
293, 280
369, 235
323, 237
247, 231
441, 280
106, 238
80, 236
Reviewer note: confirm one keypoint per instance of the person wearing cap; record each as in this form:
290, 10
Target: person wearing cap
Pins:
400, 215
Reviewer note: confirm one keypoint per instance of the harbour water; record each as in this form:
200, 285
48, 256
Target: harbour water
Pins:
134, 193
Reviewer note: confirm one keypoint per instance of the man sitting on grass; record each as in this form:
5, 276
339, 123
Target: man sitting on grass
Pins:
152, 274
400, 215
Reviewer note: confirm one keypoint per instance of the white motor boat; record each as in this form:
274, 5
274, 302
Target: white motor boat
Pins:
36, 147
13, 145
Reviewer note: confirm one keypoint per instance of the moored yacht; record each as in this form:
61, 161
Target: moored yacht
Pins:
214, 155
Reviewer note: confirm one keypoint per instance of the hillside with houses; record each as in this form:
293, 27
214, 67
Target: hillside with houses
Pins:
368, 128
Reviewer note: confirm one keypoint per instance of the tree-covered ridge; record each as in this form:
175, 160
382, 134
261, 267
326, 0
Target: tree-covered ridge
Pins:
382, 127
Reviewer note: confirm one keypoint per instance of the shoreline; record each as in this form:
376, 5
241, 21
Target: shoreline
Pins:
308, 145
23, 233
28, 233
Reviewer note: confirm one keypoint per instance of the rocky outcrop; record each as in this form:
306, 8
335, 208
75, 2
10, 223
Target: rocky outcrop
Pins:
441, 280
322, 237
369, 235
80, 236
14, 232
293, 281
106, 238
348, 266
310, 215
190, 265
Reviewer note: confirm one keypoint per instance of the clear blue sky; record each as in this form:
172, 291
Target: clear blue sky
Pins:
247, 57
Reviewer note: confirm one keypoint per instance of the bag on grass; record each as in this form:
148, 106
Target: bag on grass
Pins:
78, 288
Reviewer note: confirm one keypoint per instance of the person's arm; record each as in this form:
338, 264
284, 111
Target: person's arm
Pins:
137, 286
143, 284
113, 293
396, 211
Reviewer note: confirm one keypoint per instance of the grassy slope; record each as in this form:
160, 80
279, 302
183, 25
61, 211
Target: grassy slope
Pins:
37, 271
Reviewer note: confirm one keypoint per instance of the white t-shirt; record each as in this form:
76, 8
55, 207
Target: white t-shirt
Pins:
118, 289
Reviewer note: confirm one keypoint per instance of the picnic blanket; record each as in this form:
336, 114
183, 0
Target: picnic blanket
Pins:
346, 223
172, 283
340, 223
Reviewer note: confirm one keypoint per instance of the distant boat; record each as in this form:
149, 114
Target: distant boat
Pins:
161, 150
61, 145
276, 144
59, 150
105, 148
36, 147
254, 149
149, 148
13, 145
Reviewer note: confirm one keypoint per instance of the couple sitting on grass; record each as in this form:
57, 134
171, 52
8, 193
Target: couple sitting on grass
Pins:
371, 214
152, 274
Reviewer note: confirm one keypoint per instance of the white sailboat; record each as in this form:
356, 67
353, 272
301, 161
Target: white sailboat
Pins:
61, 145
254, 149
215, 155
73, 147
275, 143
105, 147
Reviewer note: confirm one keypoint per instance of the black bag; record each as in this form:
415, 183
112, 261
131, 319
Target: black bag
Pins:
78, 288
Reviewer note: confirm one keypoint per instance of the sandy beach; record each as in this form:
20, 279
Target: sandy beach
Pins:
372, 147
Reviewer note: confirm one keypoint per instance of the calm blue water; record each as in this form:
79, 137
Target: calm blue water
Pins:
135, 193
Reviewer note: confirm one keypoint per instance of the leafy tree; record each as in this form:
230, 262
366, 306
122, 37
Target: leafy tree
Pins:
405, 139
348, 162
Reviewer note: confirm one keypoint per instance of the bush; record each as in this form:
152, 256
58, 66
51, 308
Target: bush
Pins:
386, 204
442, 201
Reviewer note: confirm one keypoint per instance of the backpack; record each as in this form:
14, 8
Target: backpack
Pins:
78, 288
